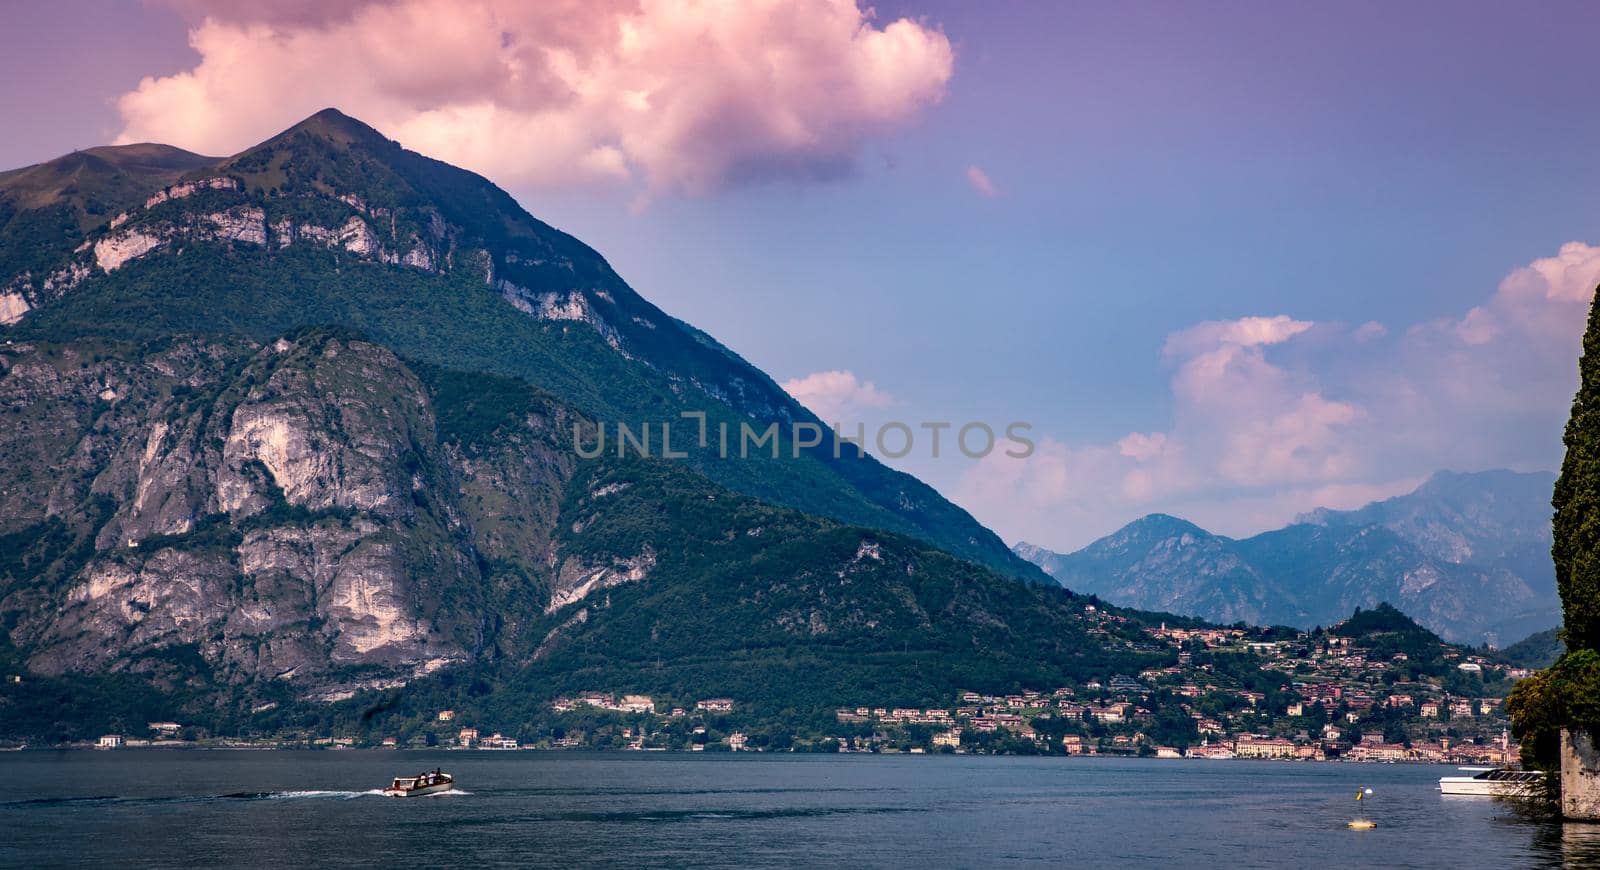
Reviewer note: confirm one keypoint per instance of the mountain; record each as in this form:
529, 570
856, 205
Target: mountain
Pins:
329, 222
1496, 518
1467, 554
1170, 565
1537, 651
287, 431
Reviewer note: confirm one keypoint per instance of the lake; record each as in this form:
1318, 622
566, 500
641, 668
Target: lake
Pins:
197, 808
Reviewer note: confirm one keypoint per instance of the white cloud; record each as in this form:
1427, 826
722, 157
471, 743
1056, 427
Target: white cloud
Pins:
981, 183
1244, 332
1274, 416
1372, 330
676, 95
837, 396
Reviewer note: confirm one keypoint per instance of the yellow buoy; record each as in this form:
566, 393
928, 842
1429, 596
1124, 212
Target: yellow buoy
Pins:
1362, 824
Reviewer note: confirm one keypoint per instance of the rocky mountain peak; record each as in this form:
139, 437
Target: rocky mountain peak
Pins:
1156, 526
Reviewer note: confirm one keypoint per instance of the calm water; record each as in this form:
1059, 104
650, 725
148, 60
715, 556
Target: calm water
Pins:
217, 808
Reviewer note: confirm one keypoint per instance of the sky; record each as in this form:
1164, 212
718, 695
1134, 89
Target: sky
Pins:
1230, 261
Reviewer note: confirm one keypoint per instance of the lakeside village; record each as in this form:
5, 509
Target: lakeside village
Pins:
1316, 696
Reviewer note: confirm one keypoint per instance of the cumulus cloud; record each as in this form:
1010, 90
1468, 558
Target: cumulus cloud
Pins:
981, 183
675, 95
1538, 299
837, 396
1273, 416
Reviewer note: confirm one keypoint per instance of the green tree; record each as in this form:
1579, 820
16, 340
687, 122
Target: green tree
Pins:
1576, 549
1567, 695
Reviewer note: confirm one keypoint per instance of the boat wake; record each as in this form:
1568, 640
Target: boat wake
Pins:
332, 795
299, 795
115, 800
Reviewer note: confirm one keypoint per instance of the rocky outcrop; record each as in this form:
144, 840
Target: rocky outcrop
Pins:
331, 427
418, 258
12, 307
159, 225
244, 224
354, 236
111, 252
170, 484
189, 188
351, 579
66, 277
576, 581
130, 603
572, 305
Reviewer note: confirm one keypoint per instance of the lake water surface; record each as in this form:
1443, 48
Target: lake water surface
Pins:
154, 808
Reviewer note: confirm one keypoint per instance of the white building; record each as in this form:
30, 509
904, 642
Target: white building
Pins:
638, 704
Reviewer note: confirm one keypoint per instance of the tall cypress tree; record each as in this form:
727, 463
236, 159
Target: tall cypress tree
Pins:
1576, 550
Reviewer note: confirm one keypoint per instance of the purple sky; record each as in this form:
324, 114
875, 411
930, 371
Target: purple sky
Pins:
1231, 260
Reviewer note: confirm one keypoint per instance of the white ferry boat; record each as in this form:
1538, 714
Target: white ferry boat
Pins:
421, 784
1492, 782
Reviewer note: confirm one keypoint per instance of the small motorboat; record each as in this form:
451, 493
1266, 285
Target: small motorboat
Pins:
1492, 782
421, 784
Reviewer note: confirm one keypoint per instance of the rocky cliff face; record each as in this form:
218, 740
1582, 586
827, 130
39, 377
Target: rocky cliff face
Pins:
290, 511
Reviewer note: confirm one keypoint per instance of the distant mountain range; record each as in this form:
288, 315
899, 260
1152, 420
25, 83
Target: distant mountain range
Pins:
1468, 555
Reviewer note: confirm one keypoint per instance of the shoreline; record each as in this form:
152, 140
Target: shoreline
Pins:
195, 747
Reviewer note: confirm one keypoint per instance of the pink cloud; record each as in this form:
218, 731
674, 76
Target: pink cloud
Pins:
1537, 300
1244, 332
981, 183
837, 396
675, 95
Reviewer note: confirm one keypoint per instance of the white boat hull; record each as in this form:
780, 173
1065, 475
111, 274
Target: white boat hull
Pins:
418, 792
1476, 786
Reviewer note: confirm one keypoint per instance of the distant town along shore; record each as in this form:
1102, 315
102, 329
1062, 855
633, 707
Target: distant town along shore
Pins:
1390, 695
